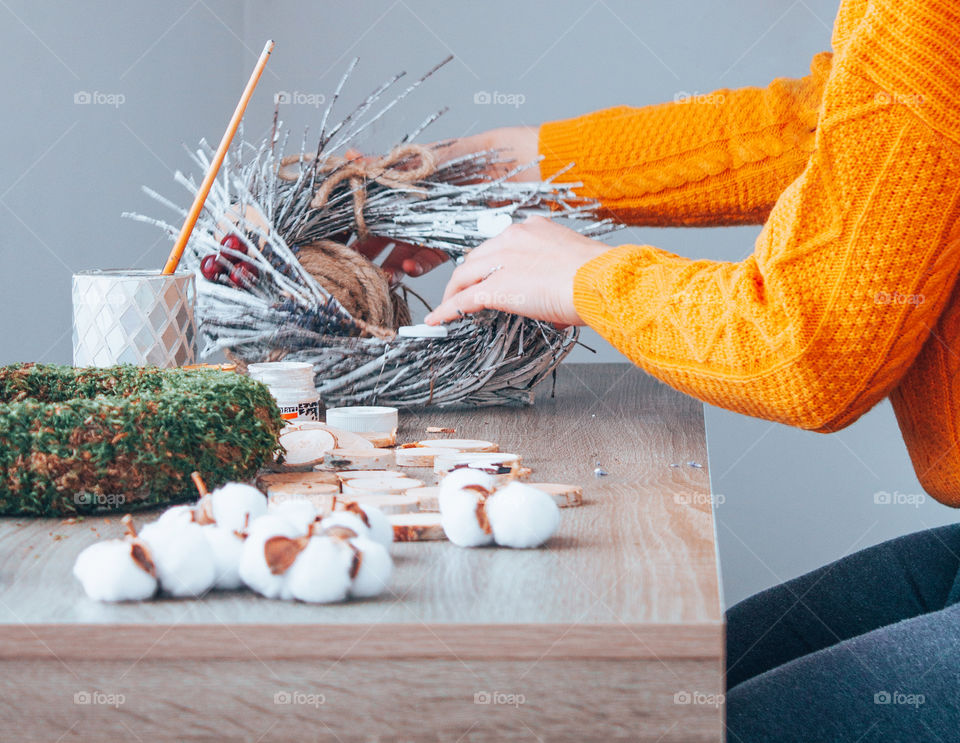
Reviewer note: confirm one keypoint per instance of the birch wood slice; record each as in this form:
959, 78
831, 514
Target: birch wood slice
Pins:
365, 474
344, 439
384, 486
478, 460
565, 496
322, 501
428, 497
416, 527
303, 447
304, 479
418, 456
461, 444
389, 504
358, 459
380, 439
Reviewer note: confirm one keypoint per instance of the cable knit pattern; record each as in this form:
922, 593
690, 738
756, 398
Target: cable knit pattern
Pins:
719, 158
859, 253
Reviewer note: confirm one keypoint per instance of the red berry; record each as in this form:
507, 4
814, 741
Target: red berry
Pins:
244, 275
233, 242
212, 267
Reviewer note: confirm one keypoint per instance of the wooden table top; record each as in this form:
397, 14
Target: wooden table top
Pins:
631, 573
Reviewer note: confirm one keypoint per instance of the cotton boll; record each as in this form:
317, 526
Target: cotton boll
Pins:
466, 477
299, 512
227, 548
108, 572
321, 573
381, 530
235, 505
349, 520
522, 516
254, 570
460, 514
376, 567
183, 559
176, 514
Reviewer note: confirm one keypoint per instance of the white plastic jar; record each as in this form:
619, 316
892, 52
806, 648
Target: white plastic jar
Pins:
291, 384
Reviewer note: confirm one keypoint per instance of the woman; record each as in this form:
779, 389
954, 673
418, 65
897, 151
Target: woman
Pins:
847, 298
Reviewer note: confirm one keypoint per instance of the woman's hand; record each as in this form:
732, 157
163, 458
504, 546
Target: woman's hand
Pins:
516, 143
528, 269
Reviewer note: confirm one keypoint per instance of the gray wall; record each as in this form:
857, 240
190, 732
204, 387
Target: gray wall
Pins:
792, 500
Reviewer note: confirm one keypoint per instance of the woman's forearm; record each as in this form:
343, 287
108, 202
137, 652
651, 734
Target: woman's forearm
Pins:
713, 159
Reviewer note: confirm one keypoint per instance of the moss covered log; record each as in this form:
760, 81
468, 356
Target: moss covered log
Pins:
75, 440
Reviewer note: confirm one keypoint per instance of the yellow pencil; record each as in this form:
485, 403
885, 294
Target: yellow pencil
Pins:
204, 189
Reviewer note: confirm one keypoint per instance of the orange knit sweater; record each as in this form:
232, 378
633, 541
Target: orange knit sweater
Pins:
855, 170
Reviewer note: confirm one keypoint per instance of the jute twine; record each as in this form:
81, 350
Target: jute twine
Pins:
360, 286
402, 167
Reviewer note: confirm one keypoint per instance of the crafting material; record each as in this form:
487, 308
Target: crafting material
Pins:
427, 497
345, 475
204, 189
416, 527
305, 481
440, 429
389, 503
493, 461
291, 384
302, 294
418, 456
461, 444
367, 485
363, 518
380, 439
124, 431
347, 459
306, 447
521, 516
422, 331
322, 498
462, 512
344, 439
565, 496
363, 418
128, 316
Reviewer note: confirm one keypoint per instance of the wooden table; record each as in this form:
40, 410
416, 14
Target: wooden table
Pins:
614, 630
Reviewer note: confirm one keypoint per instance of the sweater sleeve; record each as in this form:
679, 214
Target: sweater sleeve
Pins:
851, 269
711, 159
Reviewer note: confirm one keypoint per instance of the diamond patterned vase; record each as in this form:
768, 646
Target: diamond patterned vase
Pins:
123, 316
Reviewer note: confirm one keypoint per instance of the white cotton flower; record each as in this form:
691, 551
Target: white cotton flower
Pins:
254, 570
183, 559
378, 526
464, 477
321, 572
227, 547
522, 516
348, 520
459, 497
108, 571
235, 505
376, 567
298, 511
176, 514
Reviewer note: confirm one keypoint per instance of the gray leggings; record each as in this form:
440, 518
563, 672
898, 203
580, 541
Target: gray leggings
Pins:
864, 649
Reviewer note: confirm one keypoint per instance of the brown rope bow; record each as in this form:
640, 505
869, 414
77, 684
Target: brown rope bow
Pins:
399, 168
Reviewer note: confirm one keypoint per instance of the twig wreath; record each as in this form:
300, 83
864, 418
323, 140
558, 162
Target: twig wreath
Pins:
277, 278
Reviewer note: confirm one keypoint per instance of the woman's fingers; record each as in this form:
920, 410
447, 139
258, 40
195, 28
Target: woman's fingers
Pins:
472, 299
